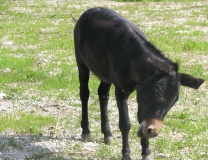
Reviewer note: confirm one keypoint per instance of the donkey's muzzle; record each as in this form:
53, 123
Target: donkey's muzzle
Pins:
149, 128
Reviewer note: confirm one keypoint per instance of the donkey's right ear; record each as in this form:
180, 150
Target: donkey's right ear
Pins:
190, 81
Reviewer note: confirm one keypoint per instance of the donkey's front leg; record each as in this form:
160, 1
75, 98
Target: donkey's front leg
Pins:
146, 153
124, 121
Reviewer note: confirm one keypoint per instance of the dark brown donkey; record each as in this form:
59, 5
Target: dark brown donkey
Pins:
118, 53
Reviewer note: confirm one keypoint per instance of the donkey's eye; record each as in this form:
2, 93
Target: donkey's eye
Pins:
159, 96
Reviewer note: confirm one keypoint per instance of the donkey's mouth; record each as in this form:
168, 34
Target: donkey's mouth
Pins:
139, 133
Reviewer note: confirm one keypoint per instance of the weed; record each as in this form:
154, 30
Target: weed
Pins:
13, 143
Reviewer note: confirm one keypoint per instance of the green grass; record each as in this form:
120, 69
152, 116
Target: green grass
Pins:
154, 0
183, 42
26, 123
38, 66
18, 72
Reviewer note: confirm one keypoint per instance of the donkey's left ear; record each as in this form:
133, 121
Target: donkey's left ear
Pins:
190, 81
156, 64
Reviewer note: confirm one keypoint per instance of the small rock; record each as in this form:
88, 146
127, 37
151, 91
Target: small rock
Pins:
7, 70
2, 96
90, 146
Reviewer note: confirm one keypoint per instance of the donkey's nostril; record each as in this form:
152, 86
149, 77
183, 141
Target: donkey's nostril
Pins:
149, 131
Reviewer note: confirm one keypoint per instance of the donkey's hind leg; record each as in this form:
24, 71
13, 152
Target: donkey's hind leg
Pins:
103, 92
84, 96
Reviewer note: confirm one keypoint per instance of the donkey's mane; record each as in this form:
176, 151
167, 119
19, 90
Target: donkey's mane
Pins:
158, 54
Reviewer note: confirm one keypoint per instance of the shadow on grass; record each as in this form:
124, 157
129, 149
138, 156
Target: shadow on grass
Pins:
37, 147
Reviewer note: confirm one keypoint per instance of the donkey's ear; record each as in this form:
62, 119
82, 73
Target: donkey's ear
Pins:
190, 81
156, 64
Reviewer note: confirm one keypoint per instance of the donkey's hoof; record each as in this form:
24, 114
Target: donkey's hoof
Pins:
108, 140
86, 137
147, 157
126, 158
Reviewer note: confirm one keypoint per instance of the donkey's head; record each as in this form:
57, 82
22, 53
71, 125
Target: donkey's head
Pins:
159, 93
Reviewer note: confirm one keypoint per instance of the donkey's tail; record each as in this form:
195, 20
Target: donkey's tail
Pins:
74, 19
